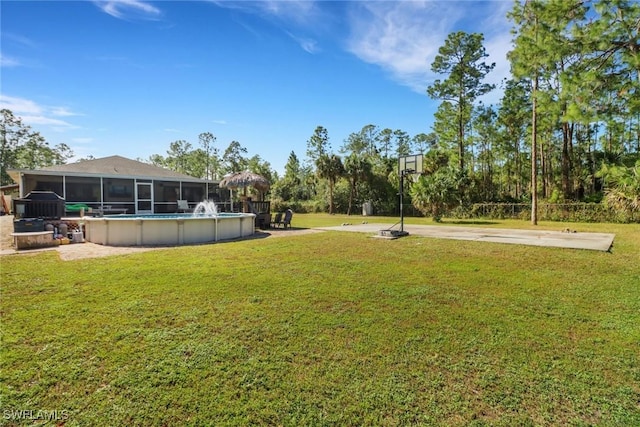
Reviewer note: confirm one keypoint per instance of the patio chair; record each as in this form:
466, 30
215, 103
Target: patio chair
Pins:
183, 206
285, 220
277, 219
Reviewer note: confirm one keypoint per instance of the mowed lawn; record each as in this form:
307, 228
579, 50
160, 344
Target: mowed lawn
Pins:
330, 328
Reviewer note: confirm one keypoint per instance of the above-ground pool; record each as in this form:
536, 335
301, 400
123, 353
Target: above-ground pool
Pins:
167, 229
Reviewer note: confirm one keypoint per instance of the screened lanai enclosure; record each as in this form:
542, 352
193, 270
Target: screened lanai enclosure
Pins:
119, 185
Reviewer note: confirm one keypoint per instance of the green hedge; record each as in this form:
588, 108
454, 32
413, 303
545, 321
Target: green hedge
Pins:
569, 212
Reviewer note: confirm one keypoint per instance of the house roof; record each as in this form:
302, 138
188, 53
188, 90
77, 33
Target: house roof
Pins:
114, 166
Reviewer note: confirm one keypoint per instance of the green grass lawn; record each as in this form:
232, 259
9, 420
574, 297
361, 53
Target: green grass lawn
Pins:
330, 328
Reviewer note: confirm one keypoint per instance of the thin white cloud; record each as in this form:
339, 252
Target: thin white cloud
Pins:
129, 9
12, 42
220, 122
308, 44
404, 37
497, 47
6, 61
296, 12
62, 112
56, 124
33, 113
498, 42
18, 39
19, 106
401, 37
294, 17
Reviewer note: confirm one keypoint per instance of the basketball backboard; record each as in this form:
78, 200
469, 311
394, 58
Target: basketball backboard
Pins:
410, 164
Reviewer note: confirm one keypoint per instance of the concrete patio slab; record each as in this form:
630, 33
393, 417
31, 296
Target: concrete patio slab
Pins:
557, 239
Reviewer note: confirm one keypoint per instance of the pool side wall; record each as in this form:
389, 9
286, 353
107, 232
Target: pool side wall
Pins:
118, 231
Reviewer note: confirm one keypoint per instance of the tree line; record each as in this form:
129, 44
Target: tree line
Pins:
208, 161
23, 148
567, 128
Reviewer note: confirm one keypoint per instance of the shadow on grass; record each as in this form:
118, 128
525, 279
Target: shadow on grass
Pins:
261, 234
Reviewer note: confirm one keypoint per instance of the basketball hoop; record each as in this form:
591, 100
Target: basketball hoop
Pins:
407, 165
411, 165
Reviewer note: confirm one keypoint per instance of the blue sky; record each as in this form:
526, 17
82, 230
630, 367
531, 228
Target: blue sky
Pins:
129, 77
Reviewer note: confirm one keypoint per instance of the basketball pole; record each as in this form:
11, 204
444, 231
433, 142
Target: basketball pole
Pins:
401, 201
406, 165
402, 175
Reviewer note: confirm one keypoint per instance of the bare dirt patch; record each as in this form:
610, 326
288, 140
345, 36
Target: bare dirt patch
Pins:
6, 228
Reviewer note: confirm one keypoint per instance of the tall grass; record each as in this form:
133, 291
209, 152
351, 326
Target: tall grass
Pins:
327, 329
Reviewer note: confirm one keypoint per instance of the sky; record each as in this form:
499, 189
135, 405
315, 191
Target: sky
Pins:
129, 77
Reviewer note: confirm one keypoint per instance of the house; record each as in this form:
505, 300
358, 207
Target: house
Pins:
118, 184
